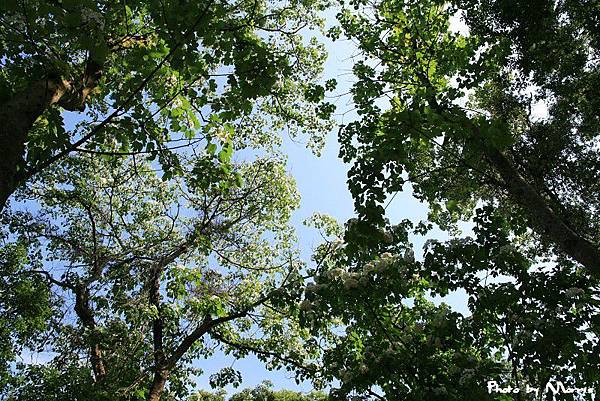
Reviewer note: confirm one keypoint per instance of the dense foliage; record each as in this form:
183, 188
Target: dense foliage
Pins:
149, 77
526, 325
135, 244
497, 125
141, 277
459, 125
262, 392
149, 218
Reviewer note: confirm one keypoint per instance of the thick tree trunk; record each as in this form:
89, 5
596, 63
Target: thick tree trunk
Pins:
84, 312
18, 114
158, 385
161, 373
545, 220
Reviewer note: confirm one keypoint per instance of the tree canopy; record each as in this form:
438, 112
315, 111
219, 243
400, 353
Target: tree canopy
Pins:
450, 114
143, 276
135, 243
262, 392
460, 126
149, 77
146, 206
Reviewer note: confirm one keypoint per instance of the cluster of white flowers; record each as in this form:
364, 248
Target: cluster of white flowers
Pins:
171, 80
440, 391
346, 375
466, 376
179, 267
506, 249
177, 102
306, 305
104, 181
222, 134
370, 267
335, 273
353, 280
337, 243
94, 17
351, 283
573, 292
312, 287
385, 261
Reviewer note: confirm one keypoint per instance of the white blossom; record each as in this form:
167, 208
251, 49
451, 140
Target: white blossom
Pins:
305, 305
573, 292
335, 273
90, 16
369, 267
409, 255
350, 283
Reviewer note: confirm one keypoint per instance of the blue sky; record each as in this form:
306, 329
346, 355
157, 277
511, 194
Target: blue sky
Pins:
322, 185
321, 182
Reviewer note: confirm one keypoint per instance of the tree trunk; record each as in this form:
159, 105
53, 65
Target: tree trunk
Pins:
544, 219
161, 373
18, 114
158, 384
548, 223
84, 312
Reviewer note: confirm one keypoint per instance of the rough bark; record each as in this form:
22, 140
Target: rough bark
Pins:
18, 114
161, 373
84, 312
158, 384
545, 220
